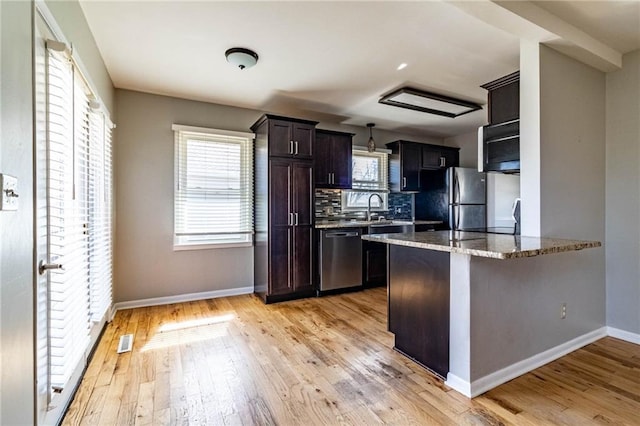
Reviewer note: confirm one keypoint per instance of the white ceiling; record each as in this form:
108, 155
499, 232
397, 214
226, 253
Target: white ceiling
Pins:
329, 61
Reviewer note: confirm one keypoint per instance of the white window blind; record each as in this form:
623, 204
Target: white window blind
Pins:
370, 174
100, 216
79, 206
68, 217
213, 203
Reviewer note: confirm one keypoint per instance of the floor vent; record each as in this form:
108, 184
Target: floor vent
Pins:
126, 343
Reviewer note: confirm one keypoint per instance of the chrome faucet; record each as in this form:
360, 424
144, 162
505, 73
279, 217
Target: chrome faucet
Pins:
369, 204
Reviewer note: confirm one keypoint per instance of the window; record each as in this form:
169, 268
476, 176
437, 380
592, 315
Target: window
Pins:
213, 198
369, 175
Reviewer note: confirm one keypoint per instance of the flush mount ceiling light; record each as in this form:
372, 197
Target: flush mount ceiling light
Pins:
371, 144
430, 103
241, 57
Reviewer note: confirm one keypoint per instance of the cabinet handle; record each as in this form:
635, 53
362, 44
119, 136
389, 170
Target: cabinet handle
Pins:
296, 153
290, 219
291, 147
333, 178
443, 162
404, 182
296, 216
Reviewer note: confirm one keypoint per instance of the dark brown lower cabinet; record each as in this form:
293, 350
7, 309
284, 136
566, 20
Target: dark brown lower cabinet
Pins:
419, 305
374, 264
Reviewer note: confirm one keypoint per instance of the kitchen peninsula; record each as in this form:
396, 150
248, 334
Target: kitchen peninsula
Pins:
480, 309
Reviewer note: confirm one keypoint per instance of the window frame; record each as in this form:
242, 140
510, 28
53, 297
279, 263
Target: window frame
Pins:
246, 142
381, 187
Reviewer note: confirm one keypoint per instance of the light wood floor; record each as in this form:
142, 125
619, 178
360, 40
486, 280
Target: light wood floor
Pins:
323, 361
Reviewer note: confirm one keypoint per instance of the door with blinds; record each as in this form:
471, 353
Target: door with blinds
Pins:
73, 221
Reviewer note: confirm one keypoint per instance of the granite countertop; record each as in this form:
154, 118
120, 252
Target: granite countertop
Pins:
496, 246
327, 224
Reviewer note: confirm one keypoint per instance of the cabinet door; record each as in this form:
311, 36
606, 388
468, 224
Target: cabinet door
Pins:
281, 231
410, 160
280, 202
450, 158
431, 158
303, 136
280, 260
374, 263
341, 161
322, 159
301, 189
302, 265
280, 138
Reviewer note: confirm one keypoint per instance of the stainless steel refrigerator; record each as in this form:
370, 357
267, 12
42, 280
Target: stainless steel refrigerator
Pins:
457, 196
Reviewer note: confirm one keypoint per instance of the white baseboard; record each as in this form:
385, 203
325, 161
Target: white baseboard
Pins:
189, 297
483, 384
624, 335
458, 384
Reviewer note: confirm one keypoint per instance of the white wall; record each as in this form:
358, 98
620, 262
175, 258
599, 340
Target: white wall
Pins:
623, 195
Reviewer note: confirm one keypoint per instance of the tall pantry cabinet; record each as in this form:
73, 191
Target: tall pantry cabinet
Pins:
283, 250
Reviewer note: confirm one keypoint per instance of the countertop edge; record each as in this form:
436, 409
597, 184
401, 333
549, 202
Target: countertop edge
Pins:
571, 245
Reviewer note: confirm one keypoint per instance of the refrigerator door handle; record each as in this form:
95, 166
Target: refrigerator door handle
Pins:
456, 183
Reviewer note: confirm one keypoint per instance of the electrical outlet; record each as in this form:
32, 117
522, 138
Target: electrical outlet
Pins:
563, 311
9, 196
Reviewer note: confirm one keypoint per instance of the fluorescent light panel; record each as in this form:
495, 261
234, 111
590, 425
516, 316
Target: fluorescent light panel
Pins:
430, 103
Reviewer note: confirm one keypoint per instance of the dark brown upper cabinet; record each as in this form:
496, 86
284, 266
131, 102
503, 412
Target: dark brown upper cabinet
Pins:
332, 159
503, 98
439, 157
289, 137
408, 159
501, 137
405, 163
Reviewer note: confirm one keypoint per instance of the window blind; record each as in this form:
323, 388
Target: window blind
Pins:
214, 187
79, 214
68, 217
100, 216
370, 174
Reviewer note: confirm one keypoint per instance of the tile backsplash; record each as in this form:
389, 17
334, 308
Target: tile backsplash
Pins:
328, 205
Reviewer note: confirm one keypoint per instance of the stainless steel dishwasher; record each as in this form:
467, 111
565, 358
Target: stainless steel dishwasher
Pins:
340, 258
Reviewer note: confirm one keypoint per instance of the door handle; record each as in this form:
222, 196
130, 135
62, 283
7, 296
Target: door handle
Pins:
44, 267
291, 147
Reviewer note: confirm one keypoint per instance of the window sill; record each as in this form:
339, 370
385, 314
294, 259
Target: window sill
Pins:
187, 247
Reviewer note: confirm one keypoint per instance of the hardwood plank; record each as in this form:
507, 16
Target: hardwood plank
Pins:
324, 361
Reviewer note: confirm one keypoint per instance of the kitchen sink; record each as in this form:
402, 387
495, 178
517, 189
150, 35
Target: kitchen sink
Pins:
390, 227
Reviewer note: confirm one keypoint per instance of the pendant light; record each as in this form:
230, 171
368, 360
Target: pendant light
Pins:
371, 145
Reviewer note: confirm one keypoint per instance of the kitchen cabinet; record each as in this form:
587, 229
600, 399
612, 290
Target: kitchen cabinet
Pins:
405, 163
289, 137
501, 137
374, 264
439, 157
408, 159
332, 159
284, 241
503, 98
